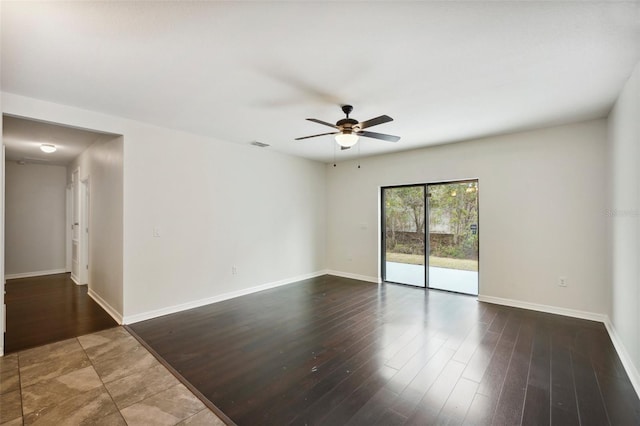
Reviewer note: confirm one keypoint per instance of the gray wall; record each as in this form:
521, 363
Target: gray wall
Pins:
35, 219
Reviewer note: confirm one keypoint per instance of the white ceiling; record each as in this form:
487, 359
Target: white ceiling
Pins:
245, 71
23, 138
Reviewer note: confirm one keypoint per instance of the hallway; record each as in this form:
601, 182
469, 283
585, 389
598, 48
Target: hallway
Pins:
49, 309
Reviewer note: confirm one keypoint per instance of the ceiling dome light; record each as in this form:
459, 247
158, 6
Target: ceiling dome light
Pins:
48, 148
347, 140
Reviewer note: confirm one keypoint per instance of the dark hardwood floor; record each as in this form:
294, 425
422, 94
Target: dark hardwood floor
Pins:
48, 309
335, 351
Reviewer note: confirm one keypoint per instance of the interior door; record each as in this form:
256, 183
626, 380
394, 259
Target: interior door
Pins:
75, 228
403, 235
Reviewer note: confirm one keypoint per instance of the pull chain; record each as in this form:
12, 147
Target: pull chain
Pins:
334, 154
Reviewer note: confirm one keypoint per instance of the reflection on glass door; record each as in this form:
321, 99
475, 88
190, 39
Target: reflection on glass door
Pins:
404, 235
453, 236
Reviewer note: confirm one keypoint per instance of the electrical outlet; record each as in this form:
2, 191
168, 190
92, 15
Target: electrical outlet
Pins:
234, 270
156, 232
562, 282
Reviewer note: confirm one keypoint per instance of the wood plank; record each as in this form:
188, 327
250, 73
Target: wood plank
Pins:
511, 401
390, 418
457, 406
436, 397
481, 358
47, 309
537, 403
622, 406
564, 410
591, 407
373, 409
352, 404
481, 410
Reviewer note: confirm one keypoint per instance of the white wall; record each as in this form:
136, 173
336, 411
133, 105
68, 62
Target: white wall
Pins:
216, 205
542, 201
102, 164
35, 219
624, 219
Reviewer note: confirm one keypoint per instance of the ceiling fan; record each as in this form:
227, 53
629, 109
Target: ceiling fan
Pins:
349, 130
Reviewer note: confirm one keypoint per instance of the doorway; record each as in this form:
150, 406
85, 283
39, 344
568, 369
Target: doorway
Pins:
430, 235
64, 187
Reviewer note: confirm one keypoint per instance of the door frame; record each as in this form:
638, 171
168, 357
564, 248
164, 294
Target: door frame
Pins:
75, 222
85, 209
68, 227
383, 236
80, 202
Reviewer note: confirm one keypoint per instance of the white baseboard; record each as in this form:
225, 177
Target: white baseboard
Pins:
76, 280
106, 306
625, 358
354, 276
35, 274
131, 319
544, 308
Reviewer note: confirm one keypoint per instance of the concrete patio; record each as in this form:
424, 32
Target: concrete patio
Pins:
439, 278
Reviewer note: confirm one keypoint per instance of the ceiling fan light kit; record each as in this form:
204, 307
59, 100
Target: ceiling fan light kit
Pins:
48, 148
347, 140
350, 130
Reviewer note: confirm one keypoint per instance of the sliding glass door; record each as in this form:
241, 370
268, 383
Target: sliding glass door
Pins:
404, 235
453, 236
430, 235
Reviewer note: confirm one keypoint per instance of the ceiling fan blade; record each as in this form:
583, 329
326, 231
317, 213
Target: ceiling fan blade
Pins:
315, 120
375, 121
342, 148
315, 136
382, 136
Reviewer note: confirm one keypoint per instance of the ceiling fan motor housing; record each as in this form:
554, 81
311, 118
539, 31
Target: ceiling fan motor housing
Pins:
347, 124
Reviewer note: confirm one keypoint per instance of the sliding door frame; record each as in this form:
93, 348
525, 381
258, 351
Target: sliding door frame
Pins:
383, 236
427, 236
383, 229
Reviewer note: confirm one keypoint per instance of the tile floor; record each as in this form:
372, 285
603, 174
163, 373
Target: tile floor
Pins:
105, 378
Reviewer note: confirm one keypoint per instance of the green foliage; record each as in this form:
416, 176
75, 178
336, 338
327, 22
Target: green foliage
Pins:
453, 209
455, 206
404, 209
